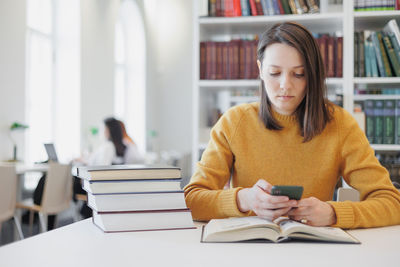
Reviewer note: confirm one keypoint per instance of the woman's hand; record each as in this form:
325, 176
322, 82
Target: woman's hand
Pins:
259, 199
313, 211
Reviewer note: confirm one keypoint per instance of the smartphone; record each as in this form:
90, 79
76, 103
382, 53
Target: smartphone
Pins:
292, 191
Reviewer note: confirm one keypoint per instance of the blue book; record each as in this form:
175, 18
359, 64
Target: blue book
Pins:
367, 58
369, 120
244, 4
373, 60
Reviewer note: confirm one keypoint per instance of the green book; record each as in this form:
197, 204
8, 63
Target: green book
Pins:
373, 60
389, 121
378, 54
370, 121
385, 57
356, 57
378, 116
395, 44
392, 55
368, 59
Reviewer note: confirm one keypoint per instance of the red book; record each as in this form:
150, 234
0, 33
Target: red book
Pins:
219, 64
202, 60
235, 61
237, 10
259, 8
255, 71
331, 59
218, 8
281, 10
228, 8
339, 58
241, 59
225, 62
248, 59
211, 55
253, 7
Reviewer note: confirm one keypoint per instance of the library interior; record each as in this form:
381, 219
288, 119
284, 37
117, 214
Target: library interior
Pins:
148, 132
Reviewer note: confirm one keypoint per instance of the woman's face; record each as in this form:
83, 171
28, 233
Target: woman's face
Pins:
282, 71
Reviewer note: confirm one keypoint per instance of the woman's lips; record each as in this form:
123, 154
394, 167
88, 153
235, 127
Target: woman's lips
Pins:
285, 97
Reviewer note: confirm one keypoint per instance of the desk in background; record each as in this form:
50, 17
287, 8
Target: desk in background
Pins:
83, 244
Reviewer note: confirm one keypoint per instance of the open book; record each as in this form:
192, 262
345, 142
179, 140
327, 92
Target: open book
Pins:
253, 228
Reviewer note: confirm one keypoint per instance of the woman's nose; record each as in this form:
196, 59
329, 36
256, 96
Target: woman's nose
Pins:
285, 82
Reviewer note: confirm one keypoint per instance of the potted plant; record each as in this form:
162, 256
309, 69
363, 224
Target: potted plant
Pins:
14, 127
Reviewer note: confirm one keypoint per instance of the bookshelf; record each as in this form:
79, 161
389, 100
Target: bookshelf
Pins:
334, 19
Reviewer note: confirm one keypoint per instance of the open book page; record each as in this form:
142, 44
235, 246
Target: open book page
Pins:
298, 230
239, 229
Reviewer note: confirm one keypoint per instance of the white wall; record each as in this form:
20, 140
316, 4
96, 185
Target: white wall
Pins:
12, 72
169, 72
97, 62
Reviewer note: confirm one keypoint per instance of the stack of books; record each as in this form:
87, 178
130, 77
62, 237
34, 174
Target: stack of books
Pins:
136, 197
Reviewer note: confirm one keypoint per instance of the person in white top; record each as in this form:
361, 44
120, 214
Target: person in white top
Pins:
119, 148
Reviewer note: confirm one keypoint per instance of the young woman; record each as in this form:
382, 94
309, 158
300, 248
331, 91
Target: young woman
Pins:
115, 150
294, 136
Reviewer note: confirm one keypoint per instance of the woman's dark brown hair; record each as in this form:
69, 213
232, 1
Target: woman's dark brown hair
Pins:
116, 135
314, 112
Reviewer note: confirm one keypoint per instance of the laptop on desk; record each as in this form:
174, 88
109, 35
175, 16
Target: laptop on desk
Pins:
51, 152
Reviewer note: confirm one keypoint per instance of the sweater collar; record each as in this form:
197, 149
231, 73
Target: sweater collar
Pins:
284, 118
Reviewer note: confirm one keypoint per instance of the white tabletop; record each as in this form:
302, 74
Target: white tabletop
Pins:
83, 244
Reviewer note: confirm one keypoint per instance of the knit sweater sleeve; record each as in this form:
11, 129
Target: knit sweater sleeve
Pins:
204, 194
379, 200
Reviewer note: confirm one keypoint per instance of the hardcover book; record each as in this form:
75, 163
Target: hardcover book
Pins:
137, 201
256, 228
131, 186
143, 220
128, 172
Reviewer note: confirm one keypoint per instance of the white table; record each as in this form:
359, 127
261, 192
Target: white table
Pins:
83, 244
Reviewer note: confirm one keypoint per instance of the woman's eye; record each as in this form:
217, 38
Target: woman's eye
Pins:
274, 73
299, 75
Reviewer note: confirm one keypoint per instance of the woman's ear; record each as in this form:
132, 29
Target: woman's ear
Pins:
259, 69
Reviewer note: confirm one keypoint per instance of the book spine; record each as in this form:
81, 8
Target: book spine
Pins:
378, 115
397, 123
253, 8
368, 69
286, 7
292, 6
392, 56
395, 45
244, 4
219, 74
237, 10
202, 60
331, 60
280, 6
361, 63
389, 122
225, 61
378, 55
384, 55
356, 57
374, 64
369, 120
339, 65
259, 8
212, 9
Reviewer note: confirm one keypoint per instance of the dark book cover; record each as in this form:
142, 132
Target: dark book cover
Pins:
339, 52
378, 115
385, 57
389, 121
202, 60
369, 120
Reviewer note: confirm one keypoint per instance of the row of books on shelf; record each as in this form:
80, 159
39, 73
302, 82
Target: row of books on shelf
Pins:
236, 8
379, 91
382, 121
377, 53
136, 197
237, 59
376, 5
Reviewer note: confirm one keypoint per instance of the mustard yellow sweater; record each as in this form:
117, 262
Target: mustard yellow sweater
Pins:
240, 145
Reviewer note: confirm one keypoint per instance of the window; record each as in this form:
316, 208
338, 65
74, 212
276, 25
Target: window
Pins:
130, 74
53, 78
